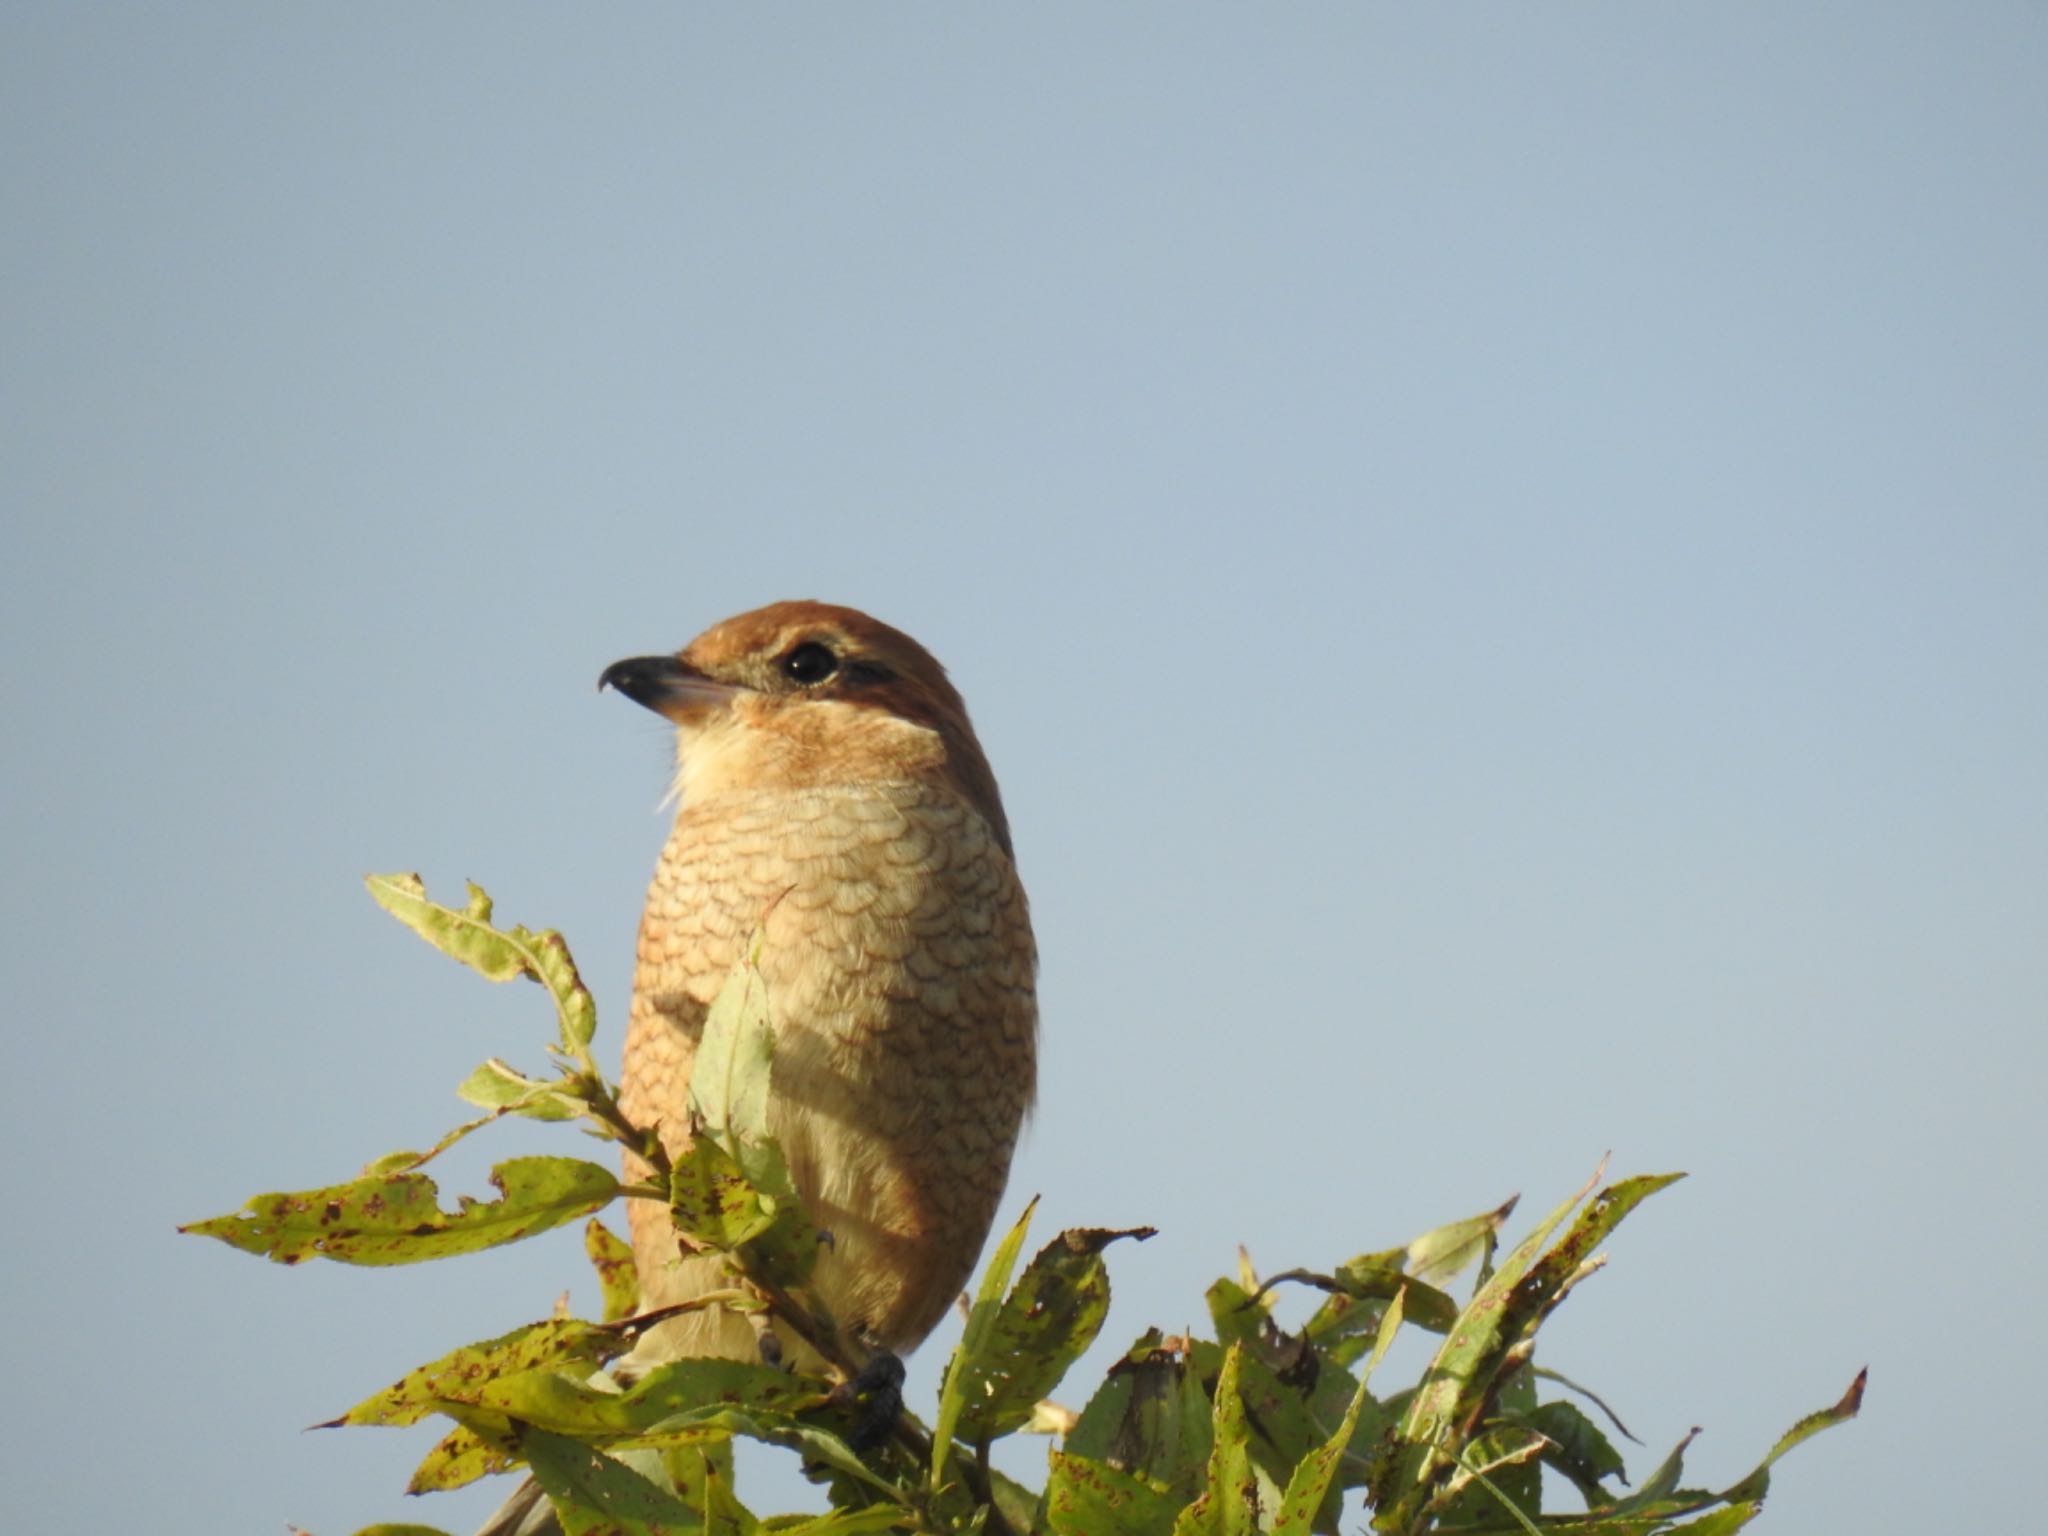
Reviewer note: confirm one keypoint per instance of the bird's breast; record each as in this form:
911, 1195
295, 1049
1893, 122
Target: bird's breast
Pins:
899, 965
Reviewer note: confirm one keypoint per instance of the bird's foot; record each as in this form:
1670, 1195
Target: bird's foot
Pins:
876, 1396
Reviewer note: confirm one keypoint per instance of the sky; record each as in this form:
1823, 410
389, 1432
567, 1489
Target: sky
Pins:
1500, 555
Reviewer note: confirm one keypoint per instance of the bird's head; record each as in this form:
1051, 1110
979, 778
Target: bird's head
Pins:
803, 695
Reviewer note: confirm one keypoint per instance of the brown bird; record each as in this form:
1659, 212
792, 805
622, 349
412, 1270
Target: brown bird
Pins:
833, 797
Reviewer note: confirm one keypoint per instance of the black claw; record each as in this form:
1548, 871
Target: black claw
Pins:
877, 1394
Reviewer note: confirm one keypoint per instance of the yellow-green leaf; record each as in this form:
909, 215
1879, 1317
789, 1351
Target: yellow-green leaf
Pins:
597, 1496
1050, 1316
1092, 1498
398, 1219
1150, 1417
730, 1074
1721, 1522
712, 1200
1440, 1253
479, 1446
467, 934
1229, 1502
499, 1087
680, 1400
974, 1340
1758, 1482
460, 1375
872, 1521
1308, 1490
618, 1282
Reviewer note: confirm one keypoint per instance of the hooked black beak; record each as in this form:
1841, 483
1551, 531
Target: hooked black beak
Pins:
668, 685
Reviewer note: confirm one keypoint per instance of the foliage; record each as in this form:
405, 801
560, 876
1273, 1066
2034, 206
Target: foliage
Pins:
1257, 1429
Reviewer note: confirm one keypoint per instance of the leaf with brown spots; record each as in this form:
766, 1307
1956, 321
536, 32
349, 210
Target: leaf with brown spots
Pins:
397, 1218
1228, 1504
477, 1447
1094, 1498
1049, 1318
500, 954
459, 1376
618, 1282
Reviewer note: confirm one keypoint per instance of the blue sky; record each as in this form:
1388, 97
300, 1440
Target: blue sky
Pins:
1500, 555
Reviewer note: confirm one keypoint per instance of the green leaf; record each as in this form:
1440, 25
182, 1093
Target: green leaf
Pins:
730, 1188
618, 1282
717, 1206
498, 954
1758, 1482
1576, 1448
1092, 1498
401, 1530
1308, 1490
1480, 1349
687, 1393
498, 1087
1720, 1522
479, 1446
1051, 1315
1290, 1400
691, 1467
405, 1162
1498, 1467
788, 1250
1453, 1389
1544, 1373
1390, 1325
1150, 1417
1553, 1277
459, 1375
812, 1441
1013, 1501
1372, 1278
1659, 1487
970, 1360
711, 1199
729, 1079
597, 1496
1440, 1253
1495, 1471
724, 1515
872, 1521
1307, 1504
397, 1218
1238, 1311
673, 1403
1229, 1502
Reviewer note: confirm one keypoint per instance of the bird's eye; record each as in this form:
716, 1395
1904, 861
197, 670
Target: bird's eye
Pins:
809, 663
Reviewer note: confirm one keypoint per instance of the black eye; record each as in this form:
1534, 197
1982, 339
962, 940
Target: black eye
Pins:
809, 663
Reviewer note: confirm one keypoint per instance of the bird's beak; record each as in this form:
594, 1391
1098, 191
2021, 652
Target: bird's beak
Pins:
669, 686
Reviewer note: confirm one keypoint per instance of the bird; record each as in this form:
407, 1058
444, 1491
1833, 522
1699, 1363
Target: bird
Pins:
836, 813
833, 798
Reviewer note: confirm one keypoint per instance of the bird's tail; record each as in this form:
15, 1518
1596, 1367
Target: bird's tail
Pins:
526, 1513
